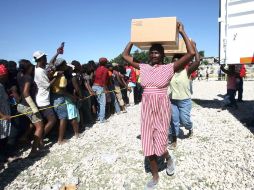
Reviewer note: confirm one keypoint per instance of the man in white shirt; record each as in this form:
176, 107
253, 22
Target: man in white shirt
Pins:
43, 93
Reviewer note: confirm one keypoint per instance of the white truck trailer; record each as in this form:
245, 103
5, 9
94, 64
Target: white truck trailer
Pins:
236, 28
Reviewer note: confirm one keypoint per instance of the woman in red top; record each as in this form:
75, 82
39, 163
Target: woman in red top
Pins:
155, 110
131, 83
100, 81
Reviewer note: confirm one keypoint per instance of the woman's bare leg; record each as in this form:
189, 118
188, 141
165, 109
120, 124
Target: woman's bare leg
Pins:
51, 121
62, 129
154, 167
39, 127
75, 126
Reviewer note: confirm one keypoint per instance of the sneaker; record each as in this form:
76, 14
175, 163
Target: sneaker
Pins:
151, 184
171, 166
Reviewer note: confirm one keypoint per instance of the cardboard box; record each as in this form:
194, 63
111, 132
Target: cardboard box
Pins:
145, 32
181, 50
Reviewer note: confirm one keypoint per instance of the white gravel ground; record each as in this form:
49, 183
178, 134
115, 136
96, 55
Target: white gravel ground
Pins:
220, 155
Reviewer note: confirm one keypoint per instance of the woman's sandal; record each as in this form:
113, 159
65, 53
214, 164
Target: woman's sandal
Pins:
151, 184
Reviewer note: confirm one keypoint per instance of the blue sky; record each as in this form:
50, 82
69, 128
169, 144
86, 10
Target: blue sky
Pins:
92, 29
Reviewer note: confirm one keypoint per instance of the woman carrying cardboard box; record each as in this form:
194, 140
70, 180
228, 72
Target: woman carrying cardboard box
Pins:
155, 112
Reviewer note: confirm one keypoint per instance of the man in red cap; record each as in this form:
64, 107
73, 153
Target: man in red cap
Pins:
100, 82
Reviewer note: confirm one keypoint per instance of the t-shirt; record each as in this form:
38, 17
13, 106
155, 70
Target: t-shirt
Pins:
22, 79
242, 71
42, 81
12, 80
231, 82
130, 72
115, 76
59, 84
69, 76
101, 76
180, 86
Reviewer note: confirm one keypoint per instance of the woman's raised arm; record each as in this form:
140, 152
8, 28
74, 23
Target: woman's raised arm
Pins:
180, 64
194, 66
127, 57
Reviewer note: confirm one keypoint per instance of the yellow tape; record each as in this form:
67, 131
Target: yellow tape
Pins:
18, 115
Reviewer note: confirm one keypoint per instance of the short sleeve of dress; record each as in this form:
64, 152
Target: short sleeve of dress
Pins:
142, 67
170, 70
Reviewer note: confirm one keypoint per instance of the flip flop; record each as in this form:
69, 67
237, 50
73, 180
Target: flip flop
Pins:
151, 184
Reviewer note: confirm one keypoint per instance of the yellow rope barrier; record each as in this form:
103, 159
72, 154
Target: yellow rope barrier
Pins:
30, 112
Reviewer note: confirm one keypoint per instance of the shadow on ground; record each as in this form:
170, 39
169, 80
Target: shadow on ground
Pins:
244, 113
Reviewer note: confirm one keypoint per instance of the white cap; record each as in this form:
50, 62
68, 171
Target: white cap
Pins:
38, 54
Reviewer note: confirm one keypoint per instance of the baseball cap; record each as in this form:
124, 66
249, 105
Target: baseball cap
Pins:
38, 54
103, 60
59, 62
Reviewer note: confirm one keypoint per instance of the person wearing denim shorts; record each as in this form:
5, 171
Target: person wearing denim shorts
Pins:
58, 98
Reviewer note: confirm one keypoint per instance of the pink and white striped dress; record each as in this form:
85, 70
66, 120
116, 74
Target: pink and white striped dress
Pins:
156, 108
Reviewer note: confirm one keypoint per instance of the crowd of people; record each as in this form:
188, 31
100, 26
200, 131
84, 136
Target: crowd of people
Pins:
37, 99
